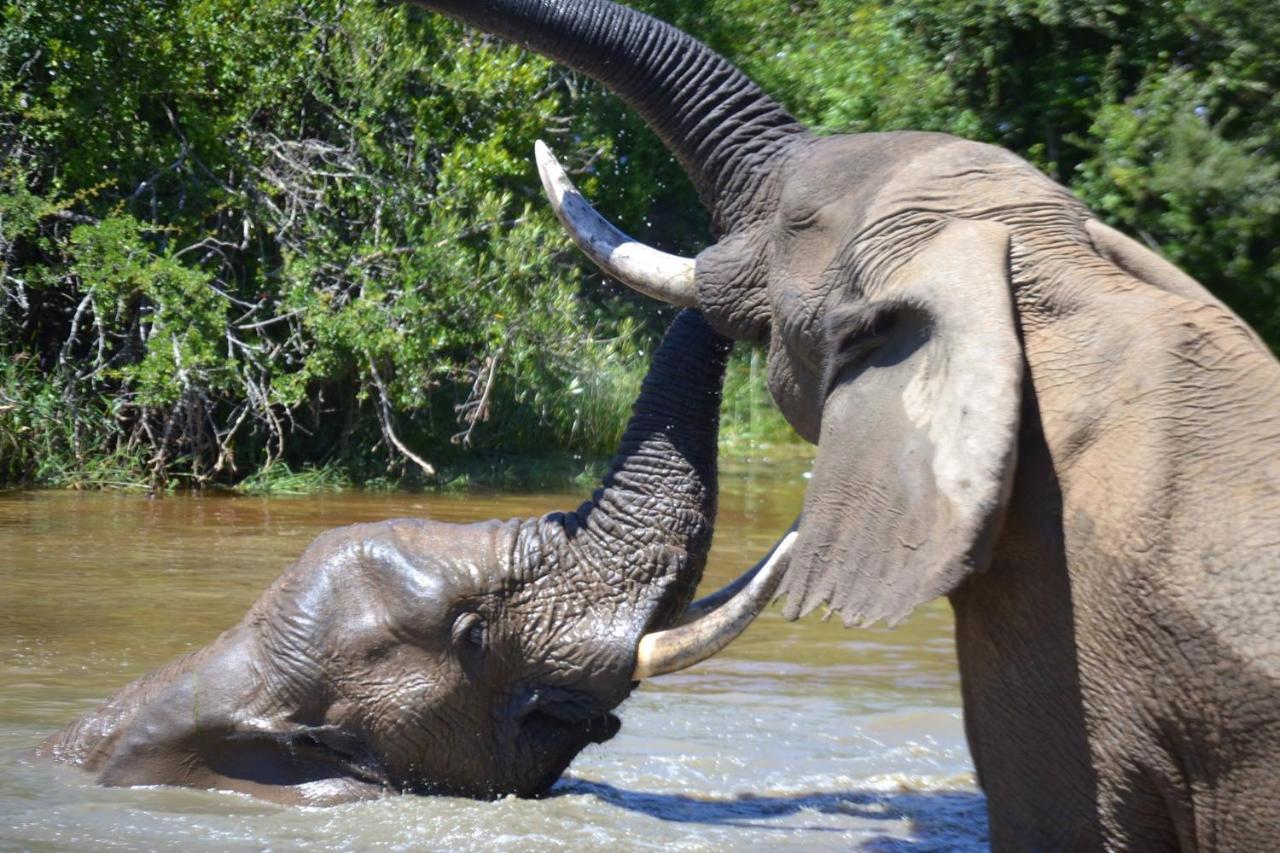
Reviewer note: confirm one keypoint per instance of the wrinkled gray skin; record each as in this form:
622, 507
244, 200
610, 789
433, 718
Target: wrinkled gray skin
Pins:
413, 655
1014, 406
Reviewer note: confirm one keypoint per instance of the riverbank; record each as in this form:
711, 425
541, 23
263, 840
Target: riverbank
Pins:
494, 471
551, 438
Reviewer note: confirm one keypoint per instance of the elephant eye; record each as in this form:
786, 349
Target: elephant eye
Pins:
869, 332
469, 631
855, 337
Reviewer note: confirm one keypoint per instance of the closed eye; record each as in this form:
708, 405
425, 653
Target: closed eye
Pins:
853, 340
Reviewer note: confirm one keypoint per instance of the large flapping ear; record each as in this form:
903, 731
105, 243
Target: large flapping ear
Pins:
919, 433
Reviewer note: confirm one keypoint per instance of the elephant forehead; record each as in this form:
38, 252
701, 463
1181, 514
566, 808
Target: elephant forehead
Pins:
831, 210
414, 558
836, 181
405, 573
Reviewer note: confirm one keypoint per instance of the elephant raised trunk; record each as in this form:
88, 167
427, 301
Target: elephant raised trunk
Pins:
648, 528
720, 126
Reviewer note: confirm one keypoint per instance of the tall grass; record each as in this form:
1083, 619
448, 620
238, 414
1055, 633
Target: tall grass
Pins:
50, 437
588, 414
281, 479
749, 420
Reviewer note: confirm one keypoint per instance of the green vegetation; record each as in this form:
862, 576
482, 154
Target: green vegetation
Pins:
298, 244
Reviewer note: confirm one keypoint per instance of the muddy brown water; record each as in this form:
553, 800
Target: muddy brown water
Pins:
801, 735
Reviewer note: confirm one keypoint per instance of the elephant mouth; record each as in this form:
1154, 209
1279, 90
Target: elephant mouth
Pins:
551, 714
559, 741
554, 725
544, 726
347, 753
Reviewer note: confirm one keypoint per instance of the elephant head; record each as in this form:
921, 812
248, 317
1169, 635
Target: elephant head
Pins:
900, 282
891, 337
473, 660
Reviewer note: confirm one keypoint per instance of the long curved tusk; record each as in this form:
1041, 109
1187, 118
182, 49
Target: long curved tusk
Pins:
708, 603
640, 267
668, 651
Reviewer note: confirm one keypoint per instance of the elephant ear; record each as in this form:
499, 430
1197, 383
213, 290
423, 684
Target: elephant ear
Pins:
919, 433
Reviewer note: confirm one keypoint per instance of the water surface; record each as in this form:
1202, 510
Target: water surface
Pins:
801, 735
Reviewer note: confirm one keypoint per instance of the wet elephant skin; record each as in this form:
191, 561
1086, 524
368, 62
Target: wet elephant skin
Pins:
466, 659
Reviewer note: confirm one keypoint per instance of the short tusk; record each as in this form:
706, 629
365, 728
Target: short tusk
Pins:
669, 651
640, 267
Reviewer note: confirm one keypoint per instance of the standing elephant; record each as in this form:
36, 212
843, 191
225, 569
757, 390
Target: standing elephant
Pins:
1015, 406
475, 660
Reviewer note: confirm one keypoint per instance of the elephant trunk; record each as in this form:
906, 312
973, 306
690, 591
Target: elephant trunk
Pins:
647, 530
720, 126
661, 489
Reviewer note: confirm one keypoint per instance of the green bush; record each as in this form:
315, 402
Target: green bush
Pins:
302, 232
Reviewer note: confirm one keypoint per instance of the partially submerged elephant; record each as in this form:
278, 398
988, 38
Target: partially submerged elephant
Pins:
1015, 406
476, 659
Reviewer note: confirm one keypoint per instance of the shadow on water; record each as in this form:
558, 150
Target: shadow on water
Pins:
941, 820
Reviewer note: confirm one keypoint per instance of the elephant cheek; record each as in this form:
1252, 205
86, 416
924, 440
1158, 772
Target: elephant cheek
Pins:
794, 390
730, 278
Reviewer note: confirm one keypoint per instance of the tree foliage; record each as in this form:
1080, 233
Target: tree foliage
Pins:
234, 234
309, 231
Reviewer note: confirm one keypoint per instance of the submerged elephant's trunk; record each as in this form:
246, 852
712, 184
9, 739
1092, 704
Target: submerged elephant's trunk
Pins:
718, 124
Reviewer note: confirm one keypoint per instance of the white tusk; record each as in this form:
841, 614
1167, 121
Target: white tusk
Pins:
640, 267
669, 651
707, 603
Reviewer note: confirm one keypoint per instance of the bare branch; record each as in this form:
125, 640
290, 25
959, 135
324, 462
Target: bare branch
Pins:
75, 328
474, 411
270, 321
388, 429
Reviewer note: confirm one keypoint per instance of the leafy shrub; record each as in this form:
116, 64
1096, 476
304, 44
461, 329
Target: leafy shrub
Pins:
303, 236
292, 232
